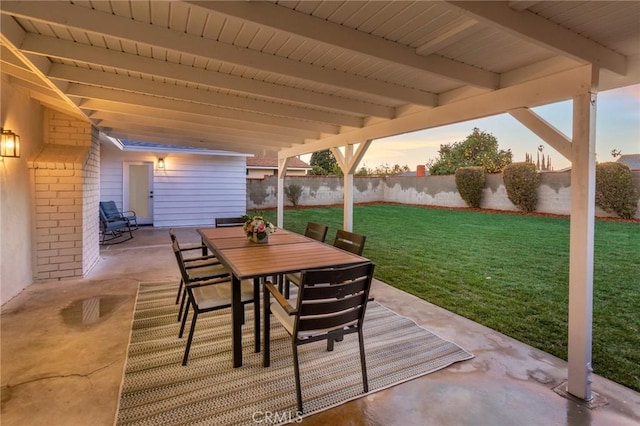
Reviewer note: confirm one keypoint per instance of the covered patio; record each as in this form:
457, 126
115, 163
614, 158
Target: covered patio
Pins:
58, 370
286, 79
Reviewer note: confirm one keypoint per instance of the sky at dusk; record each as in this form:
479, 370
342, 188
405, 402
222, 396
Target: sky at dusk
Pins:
617, 127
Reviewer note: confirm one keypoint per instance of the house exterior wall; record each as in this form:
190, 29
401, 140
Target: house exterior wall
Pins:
191, 190
111, 172
554, 192
23, 116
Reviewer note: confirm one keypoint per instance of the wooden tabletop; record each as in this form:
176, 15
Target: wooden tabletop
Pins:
285, 252
274, 259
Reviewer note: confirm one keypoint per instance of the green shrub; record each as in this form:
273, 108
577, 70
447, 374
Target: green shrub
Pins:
293, 193
614, 189
521, 181
470, 183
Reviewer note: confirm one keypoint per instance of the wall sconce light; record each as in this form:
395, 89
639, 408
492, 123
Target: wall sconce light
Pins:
9, 144
161, 163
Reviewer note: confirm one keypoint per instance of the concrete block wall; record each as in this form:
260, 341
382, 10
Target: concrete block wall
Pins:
431, 191
554, 192
66, 188
316, 190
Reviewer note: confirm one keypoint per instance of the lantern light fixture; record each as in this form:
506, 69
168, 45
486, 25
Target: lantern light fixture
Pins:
9, 144
161, 163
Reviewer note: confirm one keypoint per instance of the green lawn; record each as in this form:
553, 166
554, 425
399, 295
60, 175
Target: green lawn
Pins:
505, 271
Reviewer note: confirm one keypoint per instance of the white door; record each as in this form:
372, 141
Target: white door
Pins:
138, 190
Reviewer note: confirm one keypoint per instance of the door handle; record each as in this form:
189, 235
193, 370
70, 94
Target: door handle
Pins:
150, 194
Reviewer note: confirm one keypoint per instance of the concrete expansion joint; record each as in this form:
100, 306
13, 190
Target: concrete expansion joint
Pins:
59, 376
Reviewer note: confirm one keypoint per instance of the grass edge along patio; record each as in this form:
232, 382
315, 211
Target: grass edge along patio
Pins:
506, 271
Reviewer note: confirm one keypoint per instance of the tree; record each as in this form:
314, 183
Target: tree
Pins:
478, 149
382, 170
293, 193
323, 163
386, 170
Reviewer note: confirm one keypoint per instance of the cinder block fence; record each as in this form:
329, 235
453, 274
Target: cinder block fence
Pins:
554, 193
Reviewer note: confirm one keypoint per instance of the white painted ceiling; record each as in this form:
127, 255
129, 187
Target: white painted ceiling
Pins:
292, 77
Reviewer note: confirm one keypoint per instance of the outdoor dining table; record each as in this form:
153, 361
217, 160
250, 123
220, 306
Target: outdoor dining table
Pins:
285, 252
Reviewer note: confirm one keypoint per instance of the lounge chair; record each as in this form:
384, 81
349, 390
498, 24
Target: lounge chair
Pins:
114, 229
112, 213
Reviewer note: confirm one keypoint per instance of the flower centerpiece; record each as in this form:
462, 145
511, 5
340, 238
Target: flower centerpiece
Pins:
257, 228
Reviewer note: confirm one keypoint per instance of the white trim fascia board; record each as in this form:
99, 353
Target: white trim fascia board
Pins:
109, 139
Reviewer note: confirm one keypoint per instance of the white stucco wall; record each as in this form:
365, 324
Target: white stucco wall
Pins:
24, 117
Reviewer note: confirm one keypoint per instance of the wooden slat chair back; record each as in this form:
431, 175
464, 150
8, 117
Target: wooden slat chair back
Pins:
225, 222
349, 241
331, 304
316, 231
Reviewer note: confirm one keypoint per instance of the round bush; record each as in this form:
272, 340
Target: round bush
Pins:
521, 181
614, 189
470, 183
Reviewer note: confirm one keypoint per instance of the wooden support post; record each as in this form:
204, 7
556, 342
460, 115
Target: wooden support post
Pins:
581, 243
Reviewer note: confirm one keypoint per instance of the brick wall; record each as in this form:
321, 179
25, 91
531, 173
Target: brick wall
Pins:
66, 184
91, 197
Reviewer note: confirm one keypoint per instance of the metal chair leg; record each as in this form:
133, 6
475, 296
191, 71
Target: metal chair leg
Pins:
363, 362
184, 318
190, 338
179, 291
182, 305
296, 370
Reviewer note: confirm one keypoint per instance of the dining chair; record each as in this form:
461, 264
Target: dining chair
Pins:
345, 240
209, 294
315, 231
199, 267
349, 241
205, 258
331, 304
225, 222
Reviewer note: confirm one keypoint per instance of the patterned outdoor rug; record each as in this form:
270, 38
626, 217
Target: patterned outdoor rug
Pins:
157, 389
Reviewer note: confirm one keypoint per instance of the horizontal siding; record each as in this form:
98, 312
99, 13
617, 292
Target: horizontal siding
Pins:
192, 190
111, 163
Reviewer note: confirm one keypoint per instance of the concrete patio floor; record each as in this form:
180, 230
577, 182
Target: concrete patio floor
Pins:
58, 370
